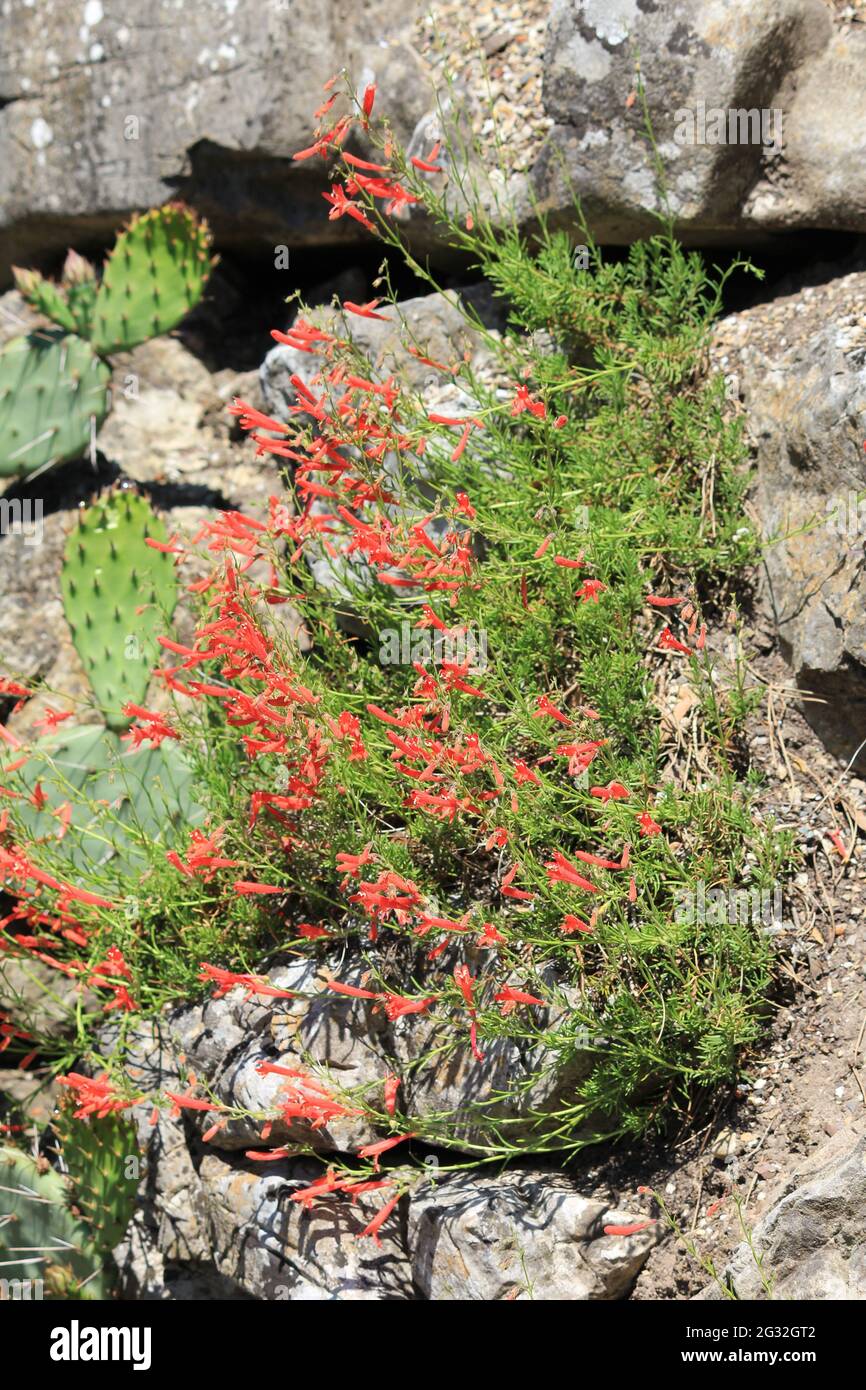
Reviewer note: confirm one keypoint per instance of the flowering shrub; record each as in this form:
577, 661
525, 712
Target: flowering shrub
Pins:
496, 850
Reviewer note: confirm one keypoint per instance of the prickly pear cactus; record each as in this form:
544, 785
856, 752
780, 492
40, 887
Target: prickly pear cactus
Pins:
86, 796
118, 593
155, 274
54, 387
101, 1157
53, 392
97, 803
40, 1238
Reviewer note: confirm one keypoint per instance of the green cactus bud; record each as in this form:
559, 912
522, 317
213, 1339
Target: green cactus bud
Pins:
79, 282
77, 270
118, 594
53, 392
155, 274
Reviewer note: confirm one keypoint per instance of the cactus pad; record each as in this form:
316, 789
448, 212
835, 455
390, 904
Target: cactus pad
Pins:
118, 594
119, 800
96, 1154
51, 388
155, 274
40, 1237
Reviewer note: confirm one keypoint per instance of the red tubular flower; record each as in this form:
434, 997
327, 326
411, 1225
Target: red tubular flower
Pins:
631, 1230
519, 893
252, 419
202, 860
522, 773
325, 107
349, 864
559, 870
403, 721
463, 505
383, 1146
461, 446
647, 825
523, 401
188, 1102
379, 1220
94, 1095
597, 860
464, 982
352, 990
425, 165
838, 844
509, 999
669, 643
427, 923
303, 1097
358, 163
590, 590
153, 727
364, 311
545, 707
571, 924
398, 1005
614, 791
392, 1086
169, 547
52, 718
225, 980
490, 936
69, 893
323, 1186
341, 206
9, 738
